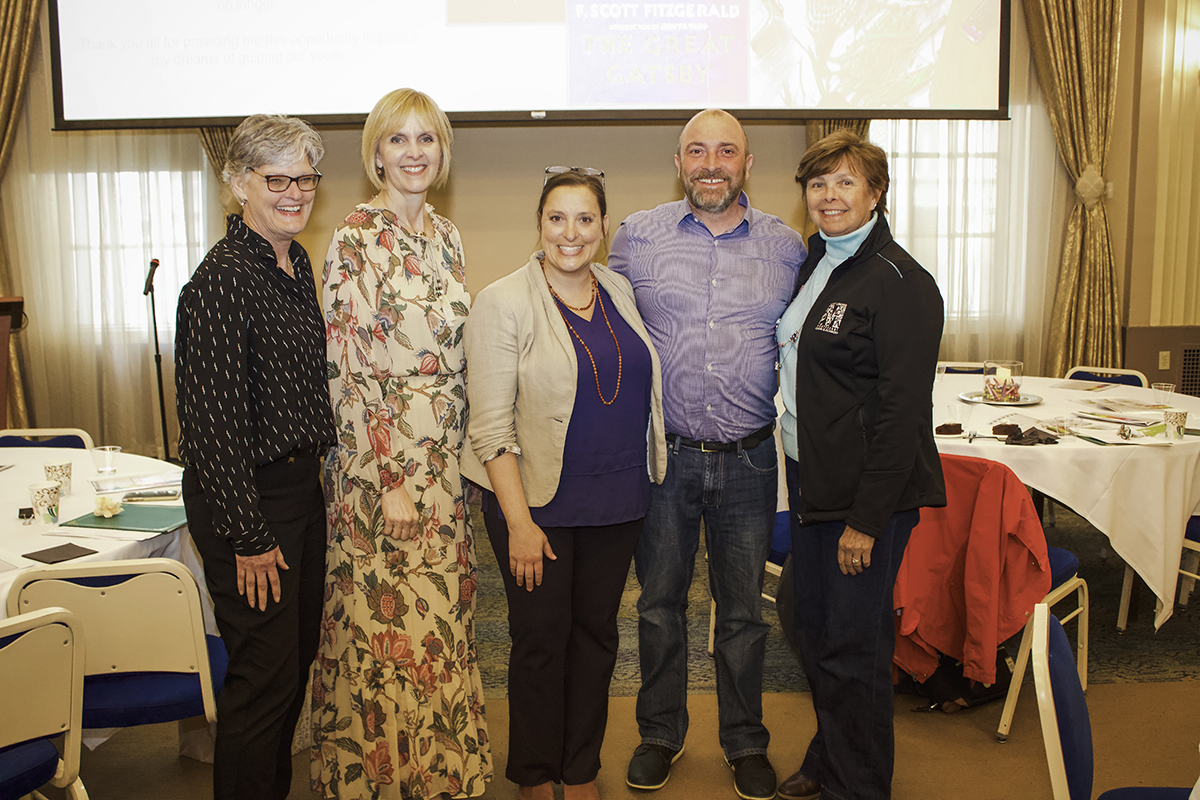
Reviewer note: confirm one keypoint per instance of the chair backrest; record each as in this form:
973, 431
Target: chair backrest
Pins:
141, 615
1192, 532
41, 670
1129, 377
46, 437
1066, 727
962, 367
987, 537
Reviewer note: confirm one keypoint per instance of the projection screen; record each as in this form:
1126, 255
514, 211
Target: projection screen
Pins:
142, 63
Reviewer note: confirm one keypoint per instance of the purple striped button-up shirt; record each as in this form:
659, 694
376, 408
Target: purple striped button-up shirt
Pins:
710, 305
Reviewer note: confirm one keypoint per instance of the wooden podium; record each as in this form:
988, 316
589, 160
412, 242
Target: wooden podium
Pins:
11, 311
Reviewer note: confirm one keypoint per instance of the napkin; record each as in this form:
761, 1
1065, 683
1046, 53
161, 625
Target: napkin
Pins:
64, 552
1031, 436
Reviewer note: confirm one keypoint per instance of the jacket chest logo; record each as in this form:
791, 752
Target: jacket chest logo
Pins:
831, 320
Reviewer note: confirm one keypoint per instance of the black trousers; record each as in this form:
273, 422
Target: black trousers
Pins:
270, 651
564, 649
845, 629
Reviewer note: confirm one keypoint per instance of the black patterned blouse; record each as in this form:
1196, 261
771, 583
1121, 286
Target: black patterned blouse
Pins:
250, 379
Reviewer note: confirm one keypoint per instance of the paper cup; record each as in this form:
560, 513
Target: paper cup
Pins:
60, 471
1176, 421
105, 458
44, 496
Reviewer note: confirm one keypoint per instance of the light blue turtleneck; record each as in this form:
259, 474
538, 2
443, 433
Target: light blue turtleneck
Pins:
787, 332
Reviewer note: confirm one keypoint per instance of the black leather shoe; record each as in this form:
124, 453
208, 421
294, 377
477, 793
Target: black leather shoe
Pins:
753, 777
799, 787
650, 767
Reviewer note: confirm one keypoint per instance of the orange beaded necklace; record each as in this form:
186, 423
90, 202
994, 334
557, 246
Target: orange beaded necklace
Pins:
595, 299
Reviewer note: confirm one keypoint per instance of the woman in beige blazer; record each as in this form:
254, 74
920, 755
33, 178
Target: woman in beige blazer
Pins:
565, 397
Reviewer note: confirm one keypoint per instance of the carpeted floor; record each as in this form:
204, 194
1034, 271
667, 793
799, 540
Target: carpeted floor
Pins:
1143, 718
1139, 655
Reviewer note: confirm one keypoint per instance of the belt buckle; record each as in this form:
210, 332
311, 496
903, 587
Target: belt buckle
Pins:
704, 448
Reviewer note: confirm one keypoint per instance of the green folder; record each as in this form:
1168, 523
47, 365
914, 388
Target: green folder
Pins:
156, 519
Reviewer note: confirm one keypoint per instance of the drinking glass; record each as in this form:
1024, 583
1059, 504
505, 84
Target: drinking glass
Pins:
1162, 393
105, 458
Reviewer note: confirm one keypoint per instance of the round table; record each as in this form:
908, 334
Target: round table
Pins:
1141, 497
17, 538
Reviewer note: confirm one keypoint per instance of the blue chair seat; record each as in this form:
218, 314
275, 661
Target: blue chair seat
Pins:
1064, 565
1146, 793
27, 766
145, 698
1192, 531
55, 441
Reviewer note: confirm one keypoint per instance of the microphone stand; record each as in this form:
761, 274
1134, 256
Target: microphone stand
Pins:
162, 403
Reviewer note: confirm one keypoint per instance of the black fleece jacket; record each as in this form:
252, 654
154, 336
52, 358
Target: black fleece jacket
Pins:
866, 360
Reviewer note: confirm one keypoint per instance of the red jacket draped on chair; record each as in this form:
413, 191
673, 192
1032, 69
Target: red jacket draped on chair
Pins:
972, 573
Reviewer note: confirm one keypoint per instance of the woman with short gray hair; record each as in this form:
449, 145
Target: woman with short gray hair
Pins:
254, 423
265, 139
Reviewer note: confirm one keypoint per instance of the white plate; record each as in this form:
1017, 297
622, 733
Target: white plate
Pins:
937, 435
977, 397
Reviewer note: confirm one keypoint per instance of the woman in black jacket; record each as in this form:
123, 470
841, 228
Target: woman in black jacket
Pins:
858, 348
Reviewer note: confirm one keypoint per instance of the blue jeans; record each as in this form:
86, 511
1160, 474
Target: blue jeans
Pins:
734, 493
845, 628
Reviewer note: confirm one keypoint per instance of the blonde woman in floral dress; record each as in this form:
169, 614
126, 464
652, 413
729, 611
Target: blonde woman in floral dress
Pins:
397, 697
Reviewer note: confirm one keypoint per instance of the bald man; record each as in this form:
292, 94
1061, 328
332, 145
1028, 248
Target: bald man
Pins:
711, 276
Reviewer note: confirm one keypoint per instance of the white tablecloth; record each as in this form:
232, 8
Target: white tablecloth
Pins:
1140, 497
16, 538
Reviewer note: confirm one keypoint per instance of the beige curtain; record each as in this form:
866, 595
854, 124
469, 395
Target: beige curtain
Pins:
817, 129
18, 29
83, 212
216, 145
1172, 207
1075, 46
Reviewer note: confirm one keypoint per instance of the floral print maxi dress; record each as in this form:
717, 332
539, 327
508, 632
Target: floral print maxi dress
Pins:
397, 696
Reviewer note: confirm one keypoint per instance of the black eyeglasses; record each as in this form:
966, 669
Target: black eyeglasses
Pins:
591, 171
280, 183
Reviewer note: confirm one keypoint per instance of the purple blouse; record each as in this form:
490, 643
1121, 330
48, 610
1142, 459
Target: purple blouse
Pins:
604, 480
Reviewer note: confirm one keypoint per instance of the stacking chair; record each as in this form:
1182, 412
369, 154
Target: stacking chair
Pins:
962, 367
1129, 377
1189, 567
41, 669
1064, 581
973, 572
1191, 558
148, 659
1066, 727
46, 437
